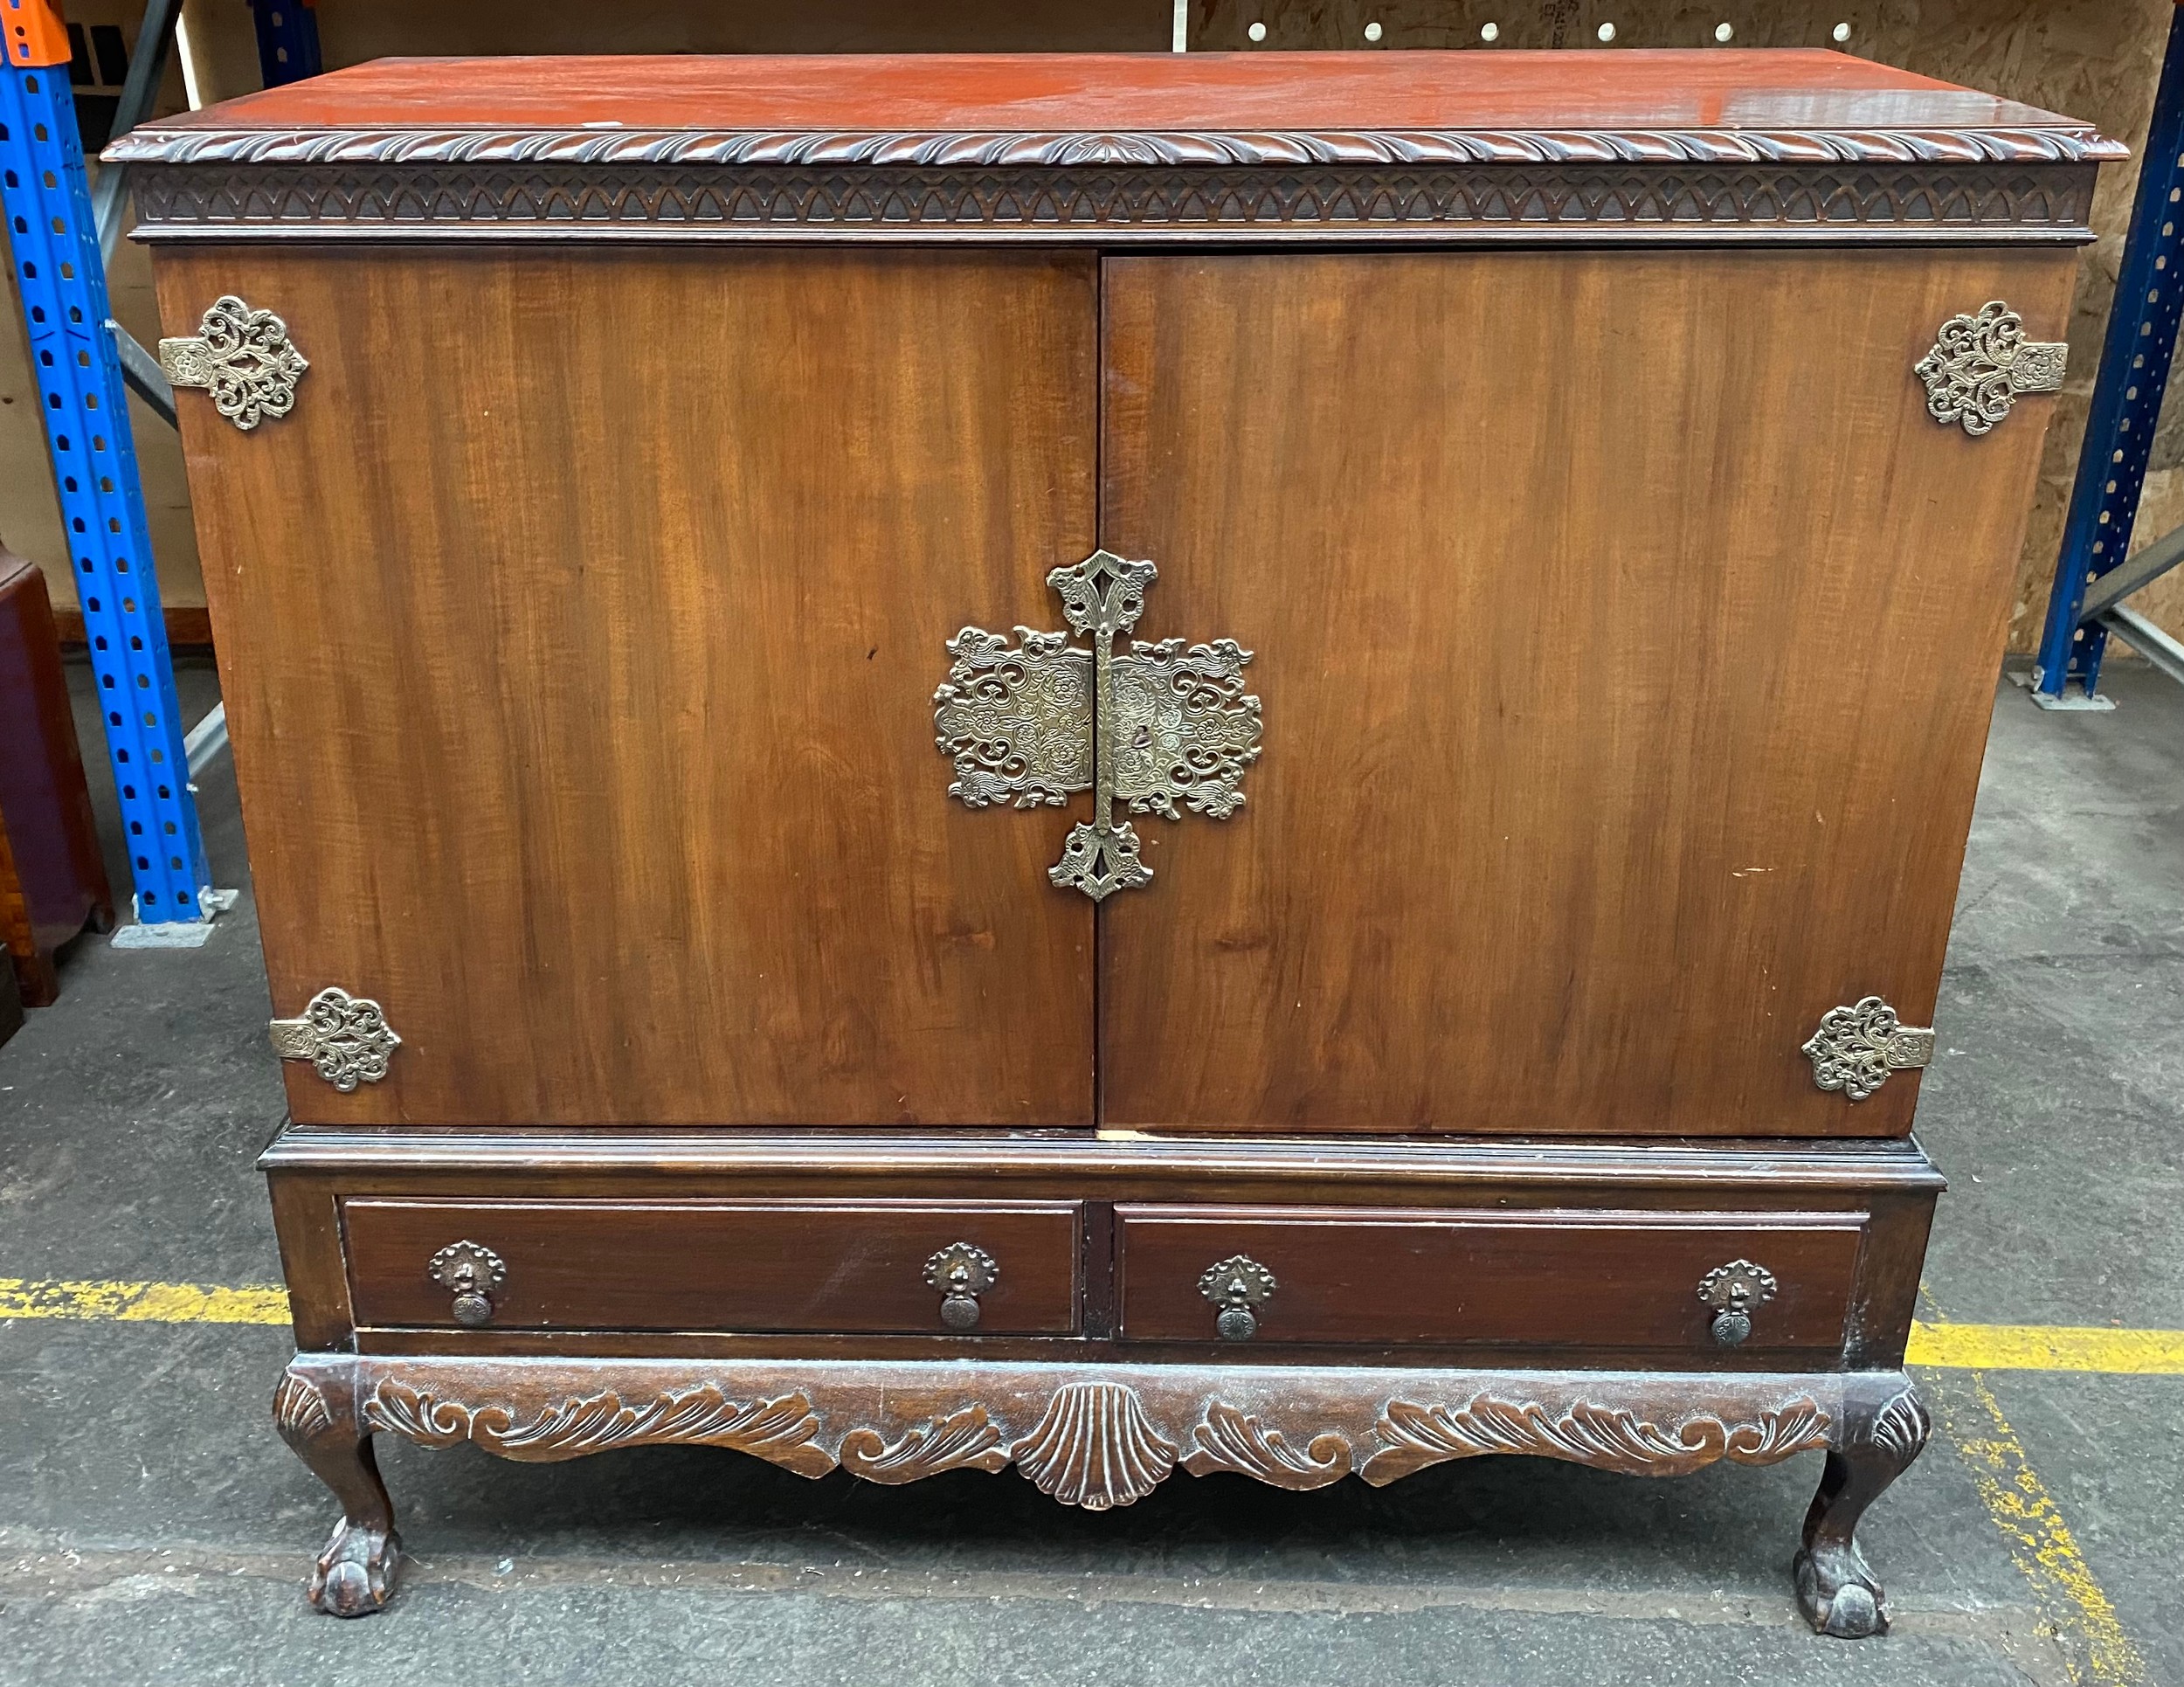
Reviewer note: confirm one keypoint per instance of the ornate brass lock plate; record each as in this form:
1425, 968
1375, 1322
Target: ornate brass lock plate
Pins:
1035, 721
243, 357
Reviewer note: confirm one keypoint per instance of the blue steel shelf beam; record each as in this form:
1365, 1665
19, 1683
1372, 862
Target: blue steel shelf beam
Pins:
2127, 392
147, 69
53, 243
288, 40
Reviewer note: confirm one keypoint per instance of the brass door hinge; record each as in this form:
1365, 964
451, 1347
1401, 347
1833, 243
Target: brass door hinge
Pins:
1978, 366
1857, 1047
1035, 721
242, 357
346, 1038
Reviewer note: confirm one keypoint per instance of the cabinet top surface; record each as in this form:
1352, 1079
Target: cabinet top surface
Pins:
1108, 109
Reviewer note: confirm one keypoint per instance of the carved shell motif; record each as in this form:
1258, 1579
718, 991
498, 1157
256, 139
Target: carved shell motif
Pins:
299, 1410
1094, 1448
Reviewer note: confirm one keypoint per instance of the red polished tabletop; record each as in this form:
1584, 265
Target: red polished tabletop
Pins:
1125, 93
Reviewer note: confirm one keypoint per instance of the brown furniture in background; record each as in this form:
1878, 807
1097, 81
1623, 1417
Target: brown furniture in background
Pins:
1610, 469
52, 876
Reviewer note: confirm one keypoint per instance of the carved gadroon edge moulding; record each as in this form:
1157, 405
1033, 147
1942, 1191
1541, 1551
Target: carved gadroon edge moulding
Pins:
1036, 722
1458, 203
346, 1038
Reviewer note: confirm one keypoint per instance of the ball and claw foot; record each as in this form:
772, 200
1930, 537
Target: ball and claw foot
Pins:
1839, 1595
315, 1410
1884, 1428
354, 1575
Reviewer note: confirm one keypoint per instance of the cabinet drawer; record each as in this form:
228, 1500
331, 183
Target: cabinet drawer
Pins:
1599, 1279
848, 1267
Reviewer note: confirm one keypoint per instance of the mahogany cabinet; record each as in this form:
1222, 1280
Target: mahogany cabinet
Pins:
1106, 764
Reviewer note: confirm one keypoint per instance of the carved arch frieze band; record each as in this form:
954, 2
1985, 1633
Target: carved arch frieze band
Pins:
1101, 1444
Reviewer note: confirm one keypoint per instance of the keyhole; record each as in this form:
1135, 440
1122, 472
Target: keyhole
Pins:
1143, 739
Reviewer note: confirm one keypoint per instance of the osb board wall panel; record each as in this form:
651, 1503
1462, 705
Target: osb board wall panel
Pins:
351, 31
2096, 60
30, 516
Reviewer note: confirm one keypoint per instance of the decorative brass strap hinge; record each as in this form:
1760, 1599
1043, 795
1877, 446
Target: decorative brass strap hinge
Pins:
346, 1038
1979, 364
1857, 1047
1037, 721
242, 357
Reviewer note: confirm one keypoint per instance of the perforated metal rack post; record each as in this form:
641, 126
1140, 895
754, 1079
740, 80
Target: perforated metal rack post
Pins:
53, 244
2133, 375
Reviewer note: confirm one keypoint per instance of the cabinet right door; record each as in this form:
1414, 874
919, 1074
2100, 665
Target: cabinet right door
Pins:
1627, 632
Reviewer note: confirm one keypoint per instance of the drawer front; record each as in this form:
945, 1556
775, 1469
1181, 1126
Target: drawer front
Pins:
1598, 1279
848, 1267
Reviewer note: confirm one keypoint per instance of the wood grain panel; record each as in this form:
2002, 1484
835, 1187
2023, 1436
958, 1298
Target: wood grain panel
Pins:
579, 632
841, 1266
1607, 1280
1627, 632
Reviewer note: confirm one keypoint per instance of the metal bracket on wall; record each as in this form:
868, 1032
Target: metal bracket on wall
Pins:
2133, 375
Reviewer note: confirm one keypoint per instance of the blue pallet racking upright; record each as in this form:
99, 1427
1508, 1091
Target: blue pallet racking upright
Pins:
53, 244
2091, 574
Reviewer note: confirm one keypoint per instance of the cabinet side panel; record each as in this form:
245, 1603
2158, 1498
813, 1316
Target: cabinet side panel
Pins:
1627, 632
579, 631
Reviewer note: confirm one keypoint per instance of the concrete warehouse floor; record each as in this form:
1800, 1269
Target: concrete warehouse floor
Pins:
153, 1529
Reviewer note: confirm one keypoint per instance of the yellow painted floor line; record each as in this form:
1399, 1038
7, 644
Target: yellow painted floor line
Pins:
2076, 1610
2048, 1347
141, 1302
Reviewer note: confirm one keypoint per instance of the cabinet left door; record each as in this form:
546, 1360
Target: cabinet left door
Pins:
578, 629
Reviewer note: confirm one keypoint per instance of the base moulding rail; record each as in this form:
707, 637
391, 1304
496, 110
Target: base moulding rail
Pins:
1103, 1435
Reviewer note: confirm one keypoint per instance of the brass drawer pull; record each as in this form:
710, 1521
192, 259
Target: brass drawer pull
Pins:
471, 1271
962, 1271
1235, 1285
1733, 1290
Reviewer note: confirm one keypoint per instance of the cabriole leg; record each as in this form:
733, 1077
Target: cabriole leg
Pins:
314, 1409
1884, 1428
